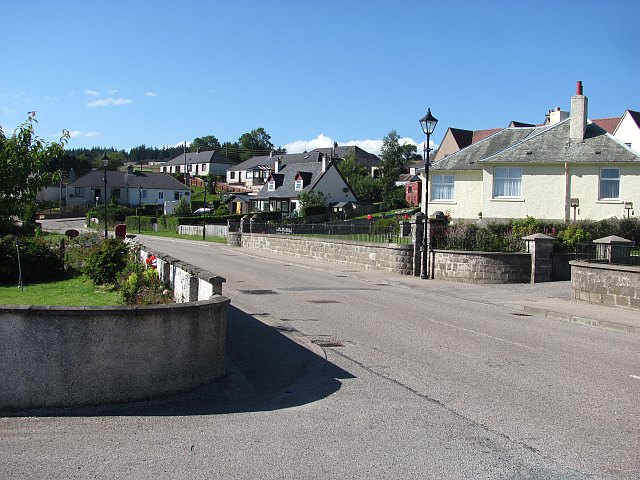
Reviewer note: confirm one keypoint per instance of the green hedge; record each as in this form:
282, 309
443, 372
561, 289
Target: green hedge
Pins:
146, 223
38, 260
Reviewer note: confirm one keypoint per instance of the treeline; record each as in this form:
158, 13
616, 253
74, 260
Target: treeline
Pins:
82, 160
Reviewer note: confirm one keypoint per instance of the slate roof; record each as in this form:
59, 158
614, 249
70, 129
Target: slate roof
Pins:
269, 161
552, 145
362, 156
285, 180
162, 181
468, 157
210, 156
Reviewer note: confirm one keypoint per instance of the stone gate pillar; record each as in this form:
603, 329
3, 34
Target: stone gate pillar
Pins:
540, 246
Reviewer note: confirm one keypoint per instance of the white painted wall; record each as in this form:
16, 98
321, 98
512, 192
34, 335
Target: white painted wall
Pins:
332, 184
628, 132
467, 201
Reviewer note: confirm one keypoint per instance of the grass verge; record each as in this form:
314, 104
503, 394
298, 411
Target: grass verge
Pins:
185, 237
75, 292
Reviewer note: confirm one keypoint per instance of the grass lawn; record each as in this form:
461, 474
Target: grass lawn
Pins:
78, 291
185, 237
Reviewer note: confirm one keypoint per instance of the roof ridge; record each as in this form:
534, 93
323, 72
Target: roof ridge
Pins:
542, 128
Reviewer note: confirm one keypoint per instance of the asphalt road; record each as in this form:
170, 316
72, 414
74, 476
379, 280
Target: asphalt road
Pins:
345, 373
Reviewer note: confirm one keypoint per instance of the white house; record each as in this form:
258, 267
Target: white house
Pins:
283, 186
628, 130
201, 163
126, 188
568, 168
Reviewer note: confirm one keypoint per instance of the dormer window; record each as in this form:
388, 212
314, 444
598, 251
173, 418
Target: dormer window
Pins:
271, 186
299, 185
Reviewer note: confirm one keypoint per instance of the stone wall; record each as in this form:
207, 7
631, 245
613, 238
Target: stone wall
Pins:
72, 356
606, 284
482, 267
388, 257
189, 283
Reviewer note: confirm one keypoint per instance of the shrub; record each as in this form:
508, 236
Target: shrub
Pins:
106, 261
38, 261
77, 250
143, 287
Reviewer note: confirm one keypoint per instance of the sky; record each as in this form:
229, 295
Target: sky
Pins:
127, 73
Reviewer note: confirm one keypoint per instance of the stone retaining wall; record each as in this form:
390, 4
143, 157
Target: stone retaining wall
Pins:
606, 284
388, 257
482, 267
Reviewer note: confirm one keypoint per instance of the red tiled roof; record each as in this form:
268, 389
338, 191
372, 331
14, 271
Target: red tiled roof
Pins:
481, 134
607, 124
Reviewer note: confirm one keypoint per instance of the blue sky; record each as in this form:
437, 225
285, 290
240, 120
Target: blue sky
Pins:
126, 73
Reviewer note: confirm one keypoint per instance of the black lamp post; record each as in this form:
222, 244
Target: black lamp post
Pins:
139, 203
105, 162
204, 212
428, 124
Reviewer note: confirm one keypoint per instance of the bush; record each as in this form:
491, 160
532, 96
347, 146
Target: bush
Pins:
143, 287
77, 251
106, 261
38, 261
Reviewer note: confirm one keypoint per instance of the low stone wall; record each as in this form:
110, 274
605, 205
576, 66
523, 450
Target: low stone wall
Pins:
389, 257
606, 284
189, 283
72, 356
482, 267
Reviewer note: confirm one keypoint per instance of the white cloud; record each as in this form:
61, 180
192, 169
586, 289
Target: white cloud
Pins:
91, 93
78, 133
103, 102
150, 94
299, 146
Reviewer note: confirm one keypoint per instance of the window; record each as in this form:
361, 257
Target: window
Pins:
204, 167
78, 191
271, 187
298, 185
609, 184
144, 194
115, 193
176, 195
160, 195
232, 175
507, 182
442, 187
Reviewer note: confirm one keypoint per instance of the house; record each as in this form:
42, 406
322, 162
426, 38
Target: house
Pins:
628, 130
253, 172
284, 185
126, 188
568, 168
210, 162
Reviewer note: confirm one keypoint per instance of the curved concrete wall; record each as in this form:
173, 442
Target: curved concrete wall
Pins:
71, 356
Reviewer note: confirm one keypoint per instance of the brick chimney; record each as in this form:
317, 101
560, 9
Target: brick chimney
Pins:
578, 122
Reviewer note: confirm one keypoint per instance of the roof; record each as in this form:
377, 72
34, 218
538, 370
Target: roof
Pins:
269, 160
468, 157
285, 180
362, 156
115, 179
482, 134
551, 145
608, 124
210, 156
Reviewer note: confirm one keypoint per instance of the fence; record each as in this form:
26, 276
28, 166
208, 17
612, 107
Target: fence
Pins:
212, 230
387, 232
609, 253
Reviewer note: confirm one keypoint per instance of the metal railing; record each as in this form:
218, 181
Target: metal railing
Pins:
358, 232
608, 253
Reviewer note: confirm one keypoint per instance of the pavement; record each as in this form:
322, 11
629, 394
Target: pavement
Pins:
550, 299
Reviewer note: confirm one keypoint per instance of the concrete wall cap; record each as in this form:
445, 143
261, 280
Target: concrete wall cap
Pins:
612, 240
538, 236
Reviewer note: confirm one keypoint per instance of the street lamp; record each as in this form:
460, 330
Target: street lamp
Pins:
428, 124
204, 212
105, 162
139, 203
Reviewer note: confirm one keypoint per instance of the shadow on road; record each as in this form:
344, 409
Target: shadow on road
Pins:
266, 371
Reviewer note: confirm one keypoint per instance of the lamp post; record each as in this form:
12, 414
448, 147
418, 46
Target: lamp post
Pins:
139, 203
105, 162
204, 212
428, 124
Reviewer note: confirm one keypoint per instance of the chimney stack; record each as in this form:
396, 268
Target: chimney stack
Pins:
578, 122
276, 165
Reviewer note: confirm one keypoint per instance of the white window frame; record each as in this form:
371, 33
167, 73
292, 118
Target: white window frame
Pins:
441, 183
78, 191
160, 195
299, 185
271, 186
510, 181
602, 193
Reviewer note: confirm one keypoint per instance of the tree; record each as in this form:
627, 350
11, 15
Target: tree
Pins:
392, 167
182, 207
313, 198
256, 142
208, 142
409, 154
24, 161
